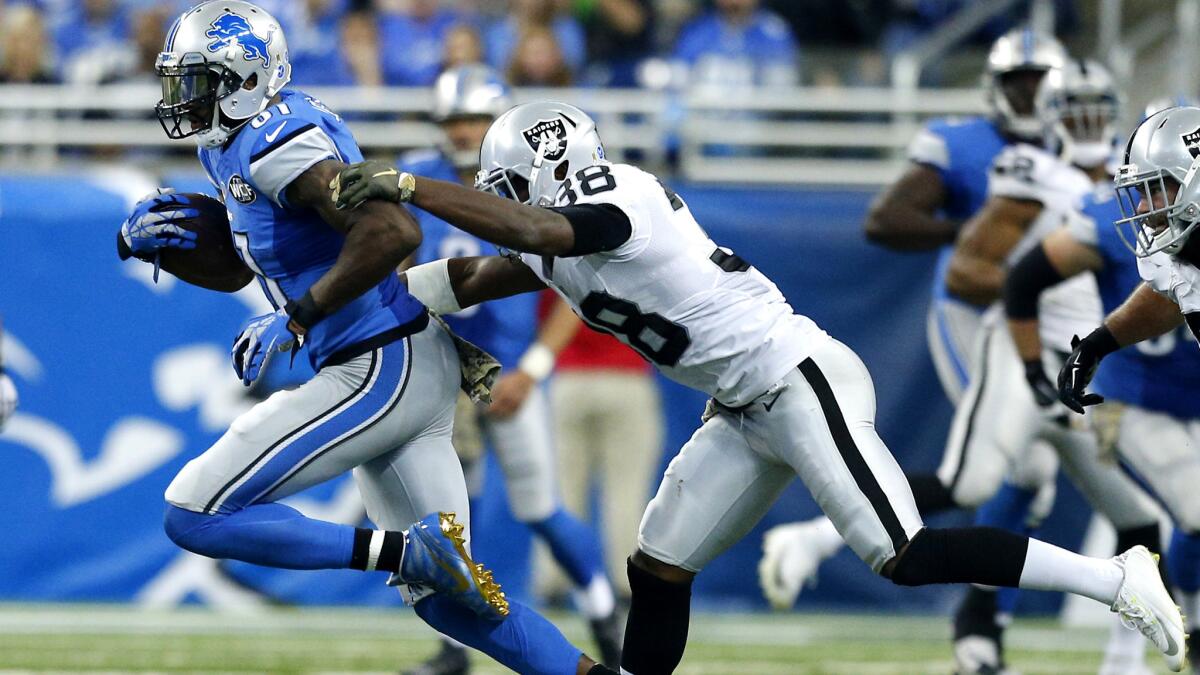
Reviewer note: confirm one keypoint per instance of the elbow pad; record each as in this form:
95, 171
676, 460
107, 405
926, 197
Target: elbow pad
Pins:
1025, 282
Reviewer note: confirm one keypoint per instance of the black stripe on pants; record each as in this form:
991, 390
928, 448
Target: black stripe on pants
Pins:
851, 455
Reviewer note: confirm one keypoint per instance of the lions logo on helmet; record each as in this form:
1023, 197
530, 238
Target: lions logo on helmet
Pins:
552, 134
234, 28
221, 63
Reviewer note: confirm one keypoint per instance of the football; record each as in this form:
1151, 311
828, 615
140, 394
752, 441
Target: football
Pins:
214, 263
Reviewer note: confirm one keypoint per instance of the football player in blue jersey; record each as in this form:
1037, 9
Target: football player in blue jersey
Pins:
382, 401
1150, 418
467, 100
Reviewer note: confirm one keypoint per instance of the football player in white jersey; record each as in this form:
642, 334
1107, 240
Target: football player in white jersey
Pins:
788, 400
1158, 190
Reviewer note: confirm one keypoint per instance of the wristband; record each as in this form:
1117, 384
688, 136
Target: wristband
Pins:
407, 186
304, 312
430, 283
537, 362
1101, 342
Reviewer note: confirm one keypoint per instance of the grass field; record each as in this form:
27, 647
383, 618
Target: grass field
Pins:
103, 638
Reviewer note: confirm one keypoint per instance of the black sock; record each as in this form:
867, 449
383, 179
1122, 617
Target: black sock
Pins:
966, 555
1150, 537
657, 628
599, 669
976, 614
931, 496
389, 550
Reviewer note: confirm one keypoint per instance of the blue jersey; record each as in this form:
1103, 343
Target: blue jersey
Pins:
289, 249
1162, 374
504, 327
961, 151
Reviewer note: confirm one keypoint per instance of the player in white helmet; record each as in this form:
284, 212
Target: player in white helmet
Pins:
787, 399
516, 424
1159, 194
382, 401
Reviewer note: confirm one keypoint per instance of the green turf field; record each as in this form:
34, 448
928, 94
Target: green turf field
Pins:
101, 638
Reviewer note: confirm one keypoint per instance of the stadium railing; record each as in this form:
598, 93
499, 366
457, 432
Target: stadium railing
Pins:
798, 136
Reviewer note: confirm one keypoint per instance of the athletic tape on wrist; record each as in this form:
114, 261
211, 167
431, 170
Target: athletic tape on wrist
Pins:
430, 283
537, 362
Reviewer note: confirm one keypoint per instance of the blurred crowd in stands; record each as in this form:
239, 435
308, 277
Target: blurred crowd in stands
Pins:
614, 43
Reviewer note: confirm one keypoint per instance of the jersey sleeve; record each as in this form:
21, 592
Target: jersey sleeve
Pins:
1178, 281
1081, 225
930, 148
626, 188
1021, 172
285, 149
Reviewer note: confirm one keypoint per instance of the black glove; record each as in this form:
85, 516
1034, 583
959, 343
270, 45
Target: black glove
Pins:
1081, 365
1043, 390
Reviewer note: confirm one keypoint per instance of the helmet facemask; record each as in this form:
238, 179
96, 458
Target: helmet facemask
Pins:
192, 88
1164, 228
1085, 127
1012, 94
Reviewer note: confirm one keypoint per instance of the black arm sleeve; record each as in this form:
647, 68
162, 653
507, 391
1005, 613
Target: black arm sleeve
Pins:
1025, 281
1193, 322
598, 227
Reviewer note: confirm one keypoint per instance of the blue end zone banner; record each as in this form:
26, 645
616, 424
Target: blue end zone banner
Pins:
122, 381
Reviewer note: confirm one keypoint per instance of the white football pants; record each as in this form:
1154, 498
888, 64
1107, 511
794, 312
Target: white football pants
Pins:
999, 430
817, 423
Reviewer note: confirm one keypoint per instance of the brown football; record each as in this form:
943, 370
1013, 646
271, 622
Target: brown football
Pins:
214, 263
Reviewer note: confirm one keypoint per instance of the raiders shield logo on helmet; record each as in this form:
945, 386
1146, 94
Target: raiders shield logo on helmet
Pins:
241, 190
1192, 141
552, 133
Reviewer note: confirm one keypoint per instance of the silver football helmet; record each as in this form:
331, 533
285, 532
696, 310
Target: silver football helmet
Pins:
530, 150
472, 91
1079, 105
221, 64
1021, 50
1163, 102
1161, 155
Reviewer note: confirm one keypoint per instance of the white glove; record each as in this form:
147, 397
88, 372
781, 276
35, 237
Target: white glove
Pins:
8, 398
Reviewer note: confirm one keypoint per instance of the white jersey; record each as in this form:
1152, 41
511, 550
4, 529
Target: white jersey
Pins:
1030, 173
1176, 280
707, 319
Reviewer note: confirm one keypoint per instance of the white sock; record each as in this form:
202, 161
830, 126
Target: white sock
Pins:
826, 538
1050, 568
597, 600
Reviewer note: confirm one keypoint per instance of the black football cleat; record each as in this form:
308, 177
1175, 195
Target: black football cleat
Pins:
450, 660
608, 633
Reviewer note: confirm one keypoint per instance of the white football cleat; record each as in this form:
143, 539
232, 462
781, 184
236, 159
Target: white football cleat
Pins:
790, 560
978, 655
1144, 604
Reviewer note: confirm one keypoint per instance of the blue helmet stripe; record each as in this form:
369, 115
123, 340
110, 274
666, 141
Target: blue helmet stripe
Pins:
170, 45
1027, 43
